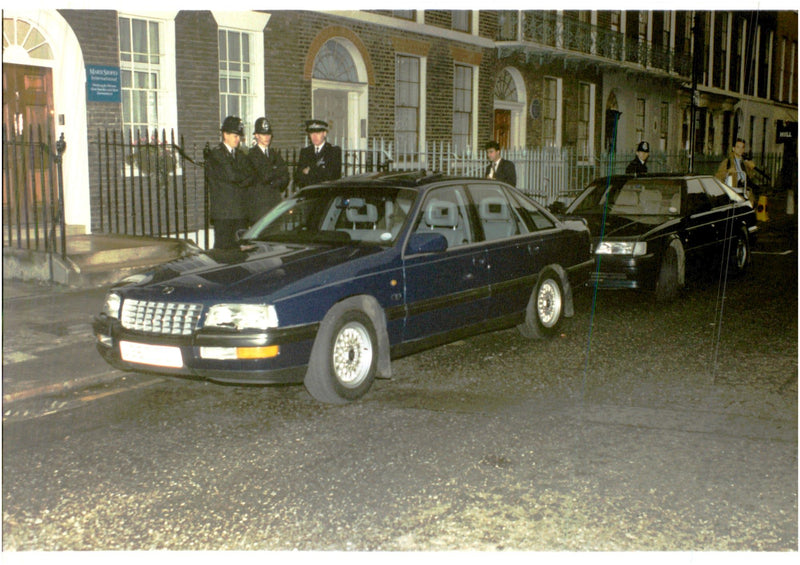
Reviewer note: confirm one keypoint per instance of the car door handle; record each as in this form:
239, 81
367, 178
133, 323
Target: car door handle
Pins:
533, 249
479, 261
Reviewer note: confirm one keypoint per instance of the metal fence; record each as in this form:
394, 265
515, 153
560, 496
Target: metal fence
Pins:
153, 184
33, 196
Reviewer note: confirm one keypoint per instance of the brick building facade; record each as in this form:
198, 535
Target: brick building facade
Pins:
530, 79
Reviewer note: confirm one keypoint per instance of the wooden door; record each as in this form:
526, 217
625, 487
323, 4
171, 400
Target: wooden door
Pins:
27, 111
502, 128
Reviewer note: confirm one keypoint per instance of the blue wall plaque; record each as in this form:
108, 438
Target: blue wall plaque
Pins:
103, 84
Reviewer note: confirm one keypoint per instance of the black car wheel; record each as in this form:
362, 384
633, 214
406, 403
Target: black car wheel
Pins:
667, 282
740, 253
344, 359
545, 307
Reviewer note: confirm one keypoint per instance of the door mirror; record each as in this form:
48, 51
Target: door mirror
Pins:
426, 242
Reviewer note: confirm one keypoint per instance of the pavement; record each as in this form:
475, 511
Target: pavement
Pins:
48, 346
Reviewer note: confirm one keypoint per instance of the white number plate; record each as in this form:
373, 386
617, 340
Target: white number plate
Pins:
146, 354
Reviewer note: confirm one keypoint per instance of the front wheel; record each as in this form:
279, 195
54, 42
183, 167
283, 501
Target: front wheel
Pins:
545, 307
668, 281
343, 360
740, 253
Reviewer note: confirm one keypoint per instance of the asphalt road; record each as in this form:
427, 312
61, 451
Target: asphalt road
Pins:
640, 427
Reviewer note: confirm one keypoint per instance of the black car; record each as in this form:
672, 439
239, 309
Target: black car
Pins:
336, 280
647, 230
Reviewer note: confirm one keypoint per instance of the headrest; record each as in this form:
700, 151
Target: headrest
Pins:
441, 213
494, 209
368, 214
627, 198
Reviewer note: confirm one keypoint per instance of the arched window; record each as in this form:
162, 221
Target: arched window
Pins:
505, 87
333, 62
20, 38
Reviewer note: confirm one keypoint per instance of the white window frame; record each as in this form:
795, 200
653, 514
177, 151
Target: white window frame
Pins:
557, 141
473, 119
167, 107
420, 100
590, 127
252, 23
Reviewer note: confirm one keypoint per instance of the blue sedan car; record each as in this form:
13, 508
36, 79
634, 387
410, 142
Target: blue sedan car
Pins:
337, 280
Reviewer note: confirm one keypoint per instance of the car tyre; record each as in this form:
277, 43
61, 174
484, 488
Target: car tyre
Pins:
668, 282
545, 307
740, 253
343, 360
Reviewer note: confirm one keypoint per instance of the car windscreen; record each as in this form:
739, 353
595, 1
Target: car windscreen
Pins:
631, 197
373, 215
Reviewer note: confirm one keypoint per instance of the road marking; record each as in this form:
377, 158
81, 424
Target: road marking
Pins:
91, 397
11, 357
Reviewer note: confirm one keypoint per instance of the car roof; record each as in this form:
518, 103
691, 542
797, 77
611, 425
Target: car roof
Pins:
659, 176
404, 179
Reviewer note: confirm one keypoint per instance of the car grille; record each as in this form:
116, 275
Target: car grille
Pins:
164, 318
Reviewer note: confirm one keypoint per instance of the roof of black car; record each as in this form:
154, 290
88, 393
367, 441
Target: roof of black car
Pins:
406, 179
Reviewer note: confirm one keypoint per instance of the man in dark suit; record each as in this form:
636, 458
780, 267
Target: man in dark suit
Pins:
499, 168
319, 161
229, 175
272, 174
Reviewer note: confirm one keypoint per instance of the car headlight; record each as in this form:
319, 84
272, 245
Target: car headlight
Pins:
241, 316
112, 304
621, 248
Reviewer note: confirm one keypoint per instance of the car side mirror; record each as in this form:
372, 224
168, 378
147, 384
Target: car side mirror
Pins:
426, 242
557, 207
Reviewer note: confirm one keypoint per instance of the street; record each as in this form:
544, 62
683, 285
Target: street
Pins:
641, 427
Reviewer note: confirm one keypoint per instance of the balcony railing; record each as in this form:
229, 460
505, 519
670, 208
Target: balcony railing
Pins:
566, 34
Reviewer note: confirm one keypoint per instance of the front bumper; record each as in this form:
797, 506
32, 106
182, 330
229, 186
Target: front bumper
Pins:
291, 348
624, 272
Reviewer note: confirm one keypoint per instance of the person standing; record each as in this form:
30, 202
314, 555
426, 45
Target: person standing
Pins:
638, 165
499, 168
229, 175
736, 170
271, 173
319, 161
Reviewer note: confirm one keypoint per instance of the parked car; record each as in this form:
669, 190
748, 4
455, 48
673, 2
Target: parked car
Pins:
335, 281
648, 230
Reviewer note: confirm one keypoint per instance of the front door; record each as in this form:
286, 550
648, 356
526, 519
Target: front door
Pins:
331, 106
27, 116
502, 127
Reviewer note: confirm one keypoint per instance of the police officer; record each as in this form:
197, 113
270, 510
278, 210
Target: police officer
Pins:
319, 161
638, 165
229, 175
271, 172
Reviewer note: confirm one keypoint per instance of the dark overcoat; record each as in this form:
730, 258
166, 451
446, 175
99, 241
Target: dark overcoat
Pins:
325, 166
229, 179
271, 179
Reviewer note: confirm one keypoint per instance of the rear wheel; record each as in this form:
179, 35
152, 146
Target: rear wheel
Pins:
545, 307
344, 359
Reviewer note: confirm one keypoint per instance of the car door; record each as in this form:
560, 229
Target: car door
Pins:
512, 256
700, 231
723, 211
446, 290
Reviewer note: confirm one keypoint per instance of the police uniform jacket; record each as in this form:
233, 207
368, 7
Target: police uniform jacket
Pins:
636, 167
229, 179
271, 178
506, 172
325, 166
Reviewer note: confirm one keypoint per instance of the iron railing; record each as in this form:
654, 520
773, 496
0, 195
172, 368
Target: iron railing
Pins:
33, 192
562, 33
